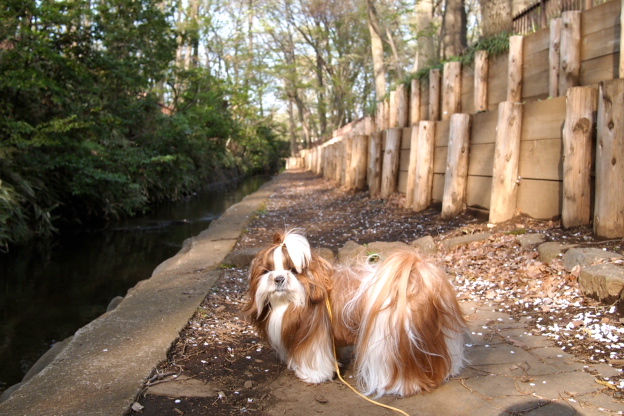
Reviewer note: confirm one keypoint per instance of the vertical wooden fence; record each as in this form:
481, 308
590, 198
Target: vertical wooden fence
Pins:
485, 138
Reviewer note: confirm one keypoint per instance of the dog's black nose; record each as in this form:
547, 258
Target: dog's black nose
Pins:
279, 279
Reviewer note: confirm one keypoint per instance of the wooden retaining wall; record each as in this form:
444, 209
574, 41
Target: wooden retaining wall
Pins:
523, 147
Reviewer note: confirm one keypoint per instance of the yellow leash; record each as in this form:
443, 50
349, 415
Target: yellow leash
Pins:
331, 318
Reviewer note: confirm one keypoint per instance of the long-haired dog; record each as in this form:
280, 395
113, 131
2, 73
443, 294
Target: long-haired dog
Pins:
401, 316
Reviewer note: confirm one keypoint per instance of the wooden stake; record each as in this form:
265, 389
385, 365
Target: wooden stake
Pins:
373, 173
424, 165
347, 174
392, 114
609, 208
434, 94
570, 59
482, 67
411, 170
578, 135
514, 82
554, 52
451, 90
506, 157
622, 40
359, 159
456, 176
390, 164
414, 105
402, 106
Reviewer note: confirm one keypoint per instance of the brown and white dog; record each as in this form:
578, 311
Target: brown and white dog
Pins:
401, 316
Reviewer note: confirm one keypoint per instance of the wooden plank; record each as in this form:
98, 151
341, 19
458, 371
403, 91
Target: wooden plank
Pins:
481, 159
609, 205
484, 127
411, 171
544, 119
535, 85
437, 188
390, 162
424, 101
601, 43
454, 197
359, 161
539, 199
451, 89
404, 159
578, 137
467, 96
442, 132
406, 132
506, 157
599, 69
481, 81
514, 82
497, 81
415, 100
439, 159
541, 159
570, 58
478, 191
434, 94
424, 165
604, 16
373, 173
554, 57
402, 185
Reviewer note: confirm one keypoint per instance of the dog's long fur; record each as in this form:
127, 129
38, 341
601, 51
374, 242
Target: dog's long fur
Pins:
401, 315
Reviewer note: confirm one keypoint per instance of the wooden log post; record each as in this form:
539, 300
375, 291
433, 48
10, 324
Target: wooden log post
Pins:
373, 172
359, 159
386, 114
514, 81
392, 112
402, 106
347, 175
451, 89
578, 135
506, 158
424, 166
570, 59
622, 40
390, 163
411, 169
456, 176
554, 57
481, 72
414, 105
379, 116
609, 204
434, 94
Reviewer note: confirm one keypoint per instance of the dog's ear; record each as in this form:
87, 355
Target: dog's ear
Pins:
278, 238
320, 284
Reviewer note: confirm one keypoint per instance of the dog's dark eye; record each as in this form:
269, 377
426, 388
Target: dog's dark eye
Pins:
293, 270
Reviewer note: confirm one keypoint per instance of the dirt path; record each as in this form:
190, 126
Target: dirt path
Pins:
517, 304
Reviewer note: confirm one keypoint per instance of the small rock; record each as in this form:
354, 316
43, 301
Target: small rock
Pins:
137, 407
464, 240
604, 282
586, 257
248, 384
527, 240
325, 253
425, 244
552, 250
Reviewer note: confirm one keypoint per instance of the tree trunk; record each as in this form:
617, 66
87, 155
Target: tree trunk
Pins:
454, 39
426, 51
496, 17
379, 68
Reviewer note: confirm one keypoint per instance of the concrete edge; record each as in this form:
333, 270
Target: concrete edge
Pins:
103, 367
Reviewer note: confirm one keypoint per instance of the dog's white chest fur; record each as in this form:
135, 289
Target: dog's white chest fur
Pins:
279, 304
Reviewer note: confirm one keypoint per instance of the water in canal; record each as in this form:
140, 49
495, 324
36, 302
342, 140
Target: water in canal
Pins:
48, 291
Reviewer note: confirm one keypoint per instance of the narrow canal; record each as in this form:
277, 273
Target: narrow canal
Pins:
48, 291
